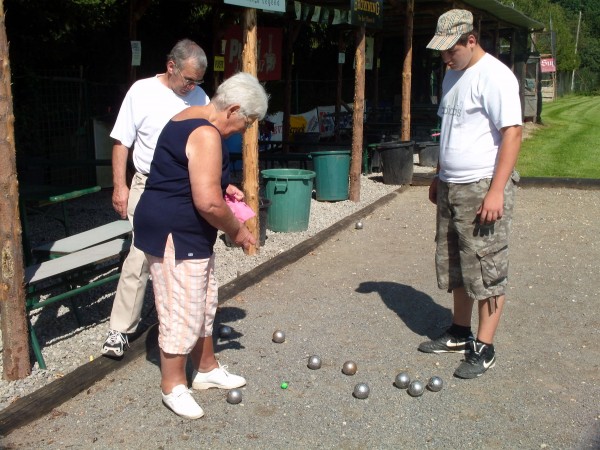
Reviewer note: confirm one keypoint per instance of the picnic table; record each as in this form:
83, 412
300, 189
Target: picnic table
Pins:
43, 200
72, 265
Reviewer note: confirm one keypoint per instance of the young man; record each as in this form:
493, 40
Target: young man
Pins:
474, 189
148, 106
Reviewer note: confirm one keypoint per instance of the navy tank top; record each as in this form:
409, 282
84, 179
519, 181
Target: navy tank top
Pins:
166, 205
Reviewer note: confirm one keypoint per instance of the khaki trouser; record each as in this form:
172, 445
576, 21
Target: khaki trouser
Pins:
129, 299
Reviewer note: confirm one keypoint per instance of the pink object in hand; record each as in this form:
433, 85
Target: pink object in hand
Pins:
240, 210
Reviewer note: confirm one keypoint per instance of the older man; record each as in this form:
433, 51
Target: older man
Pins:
147, 107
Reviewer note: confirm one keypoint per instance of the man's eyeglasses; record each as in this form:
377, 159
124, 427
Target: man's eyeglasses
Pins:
188, 81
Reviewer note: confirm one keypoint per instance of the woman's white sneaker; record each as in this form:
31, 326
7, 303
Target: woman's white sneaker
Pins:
217, 378
181, 402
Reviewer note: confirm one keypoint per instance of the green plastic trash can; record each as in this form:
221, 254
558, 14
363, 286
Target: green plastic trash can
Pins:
332, 168
290, 192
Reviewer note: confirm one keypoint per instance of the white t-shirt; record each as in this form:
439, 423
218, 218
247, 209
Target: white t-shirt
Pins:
476, 104
146, 109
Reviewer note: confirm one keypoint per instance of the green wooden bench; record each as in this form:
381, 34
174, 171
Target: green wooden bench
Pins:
62, 278
80, 241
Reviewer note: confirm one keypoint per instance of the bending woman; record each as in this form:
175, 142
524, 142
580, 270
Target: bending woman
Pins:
176, 224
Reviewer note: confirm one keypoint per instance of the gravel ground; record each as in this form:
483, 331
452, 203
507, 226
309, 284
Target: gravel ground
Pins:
66, 345
370, 295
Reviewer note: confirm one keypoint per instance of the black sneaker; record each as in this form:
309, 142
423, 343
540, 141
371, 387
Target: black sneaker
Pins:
479, 358
115, 344
446, 343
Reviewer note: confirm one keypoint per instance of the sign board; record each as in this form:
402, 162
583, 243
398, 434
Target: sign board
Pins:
367, 12
269, 52
136, 53
369, 53
219, 64
317, 120
547, 65
267, 5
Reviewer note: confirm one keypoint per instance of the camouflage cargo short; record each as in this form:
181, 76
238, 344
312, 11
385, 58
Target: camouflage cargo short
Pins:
468, 254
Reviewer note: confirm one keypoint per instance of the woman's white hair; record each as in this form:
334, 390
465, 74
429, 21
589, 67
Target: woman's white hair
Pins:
245, 90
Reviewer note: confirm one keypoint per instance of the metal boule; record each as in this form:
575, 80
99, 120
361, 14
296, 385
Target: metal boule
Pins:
349, 368
278, 336
234, 396
416, 388
225, 331
361, 390
359, 225
402, 380
435, 384
314, 362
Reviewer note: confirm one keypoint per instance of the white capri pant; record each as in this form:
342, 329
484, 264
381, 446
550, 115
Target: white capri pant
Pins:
186, 296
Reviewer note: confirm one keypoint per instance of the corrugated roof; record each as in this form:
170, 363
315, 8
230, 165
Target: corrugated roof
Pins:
506, 13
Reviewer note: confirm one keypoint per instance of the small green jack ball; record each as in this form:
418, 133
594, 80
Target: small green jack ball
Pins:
284, 385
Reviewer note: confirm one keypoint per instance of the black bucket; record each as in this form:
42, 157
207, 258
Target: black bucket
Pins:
429, 153
397, 161
374, 158
263, 219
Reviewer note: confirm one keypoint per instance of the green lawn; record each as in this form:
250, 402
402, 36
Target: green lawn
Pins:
568, 142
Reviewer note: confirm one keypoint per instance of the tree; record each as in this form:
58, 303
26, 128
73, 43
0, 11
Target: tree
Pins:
562, 24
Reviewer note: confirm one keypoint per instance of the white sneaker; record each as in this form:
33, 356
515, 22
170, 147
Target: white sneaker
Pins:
115, 344
217, 378
181, 402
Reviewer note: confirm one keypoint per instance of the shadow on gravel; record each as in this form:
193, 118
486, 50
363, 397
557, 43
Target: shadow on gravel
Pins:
65, 319
227, 315
416, 309
152, 352
224, 315
60, 321
377, 178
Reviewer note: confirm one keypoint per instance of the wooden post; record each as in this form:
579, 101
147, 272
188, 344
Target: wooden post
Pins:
407, 72
15, 342
357, 117
250, 146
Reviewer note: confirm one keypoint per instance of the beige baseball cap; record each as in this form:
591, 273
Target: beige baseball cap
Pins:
450, 27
